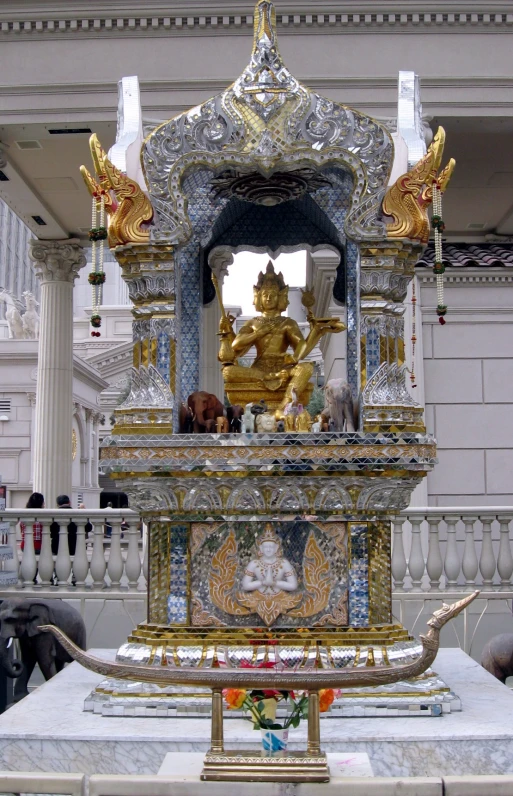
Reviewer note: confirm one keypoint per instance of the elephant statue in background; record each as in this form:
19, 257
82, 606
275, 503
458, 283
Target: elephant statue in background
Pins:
497, 657
185, 419
235, 414
204, 406
21, 618
338, 406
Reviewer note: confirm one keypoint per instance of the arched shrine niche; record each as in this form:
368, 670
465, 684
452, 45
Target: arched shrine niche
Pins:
299, 210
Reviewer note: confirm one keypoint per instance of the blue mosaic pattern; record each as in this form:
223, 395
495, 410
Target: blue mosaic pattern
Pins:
177, 600
294, 223
353, 317
190, 321
163, 356
372, 351
359, 576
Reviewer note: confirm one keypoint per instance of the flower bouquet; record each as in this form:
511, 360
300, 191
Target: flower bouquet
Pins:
261, 707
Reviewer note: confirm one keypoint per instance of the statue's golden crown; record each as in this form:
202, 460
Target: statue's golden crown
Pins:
269, 535
270, 278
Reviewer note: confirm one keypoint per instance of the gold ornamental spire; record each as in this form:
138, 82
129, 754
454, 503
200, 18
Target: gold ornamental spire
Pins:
264, 26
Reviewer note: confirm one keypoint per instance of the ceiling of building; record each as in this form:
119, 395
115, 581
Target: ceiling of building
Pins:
45, 181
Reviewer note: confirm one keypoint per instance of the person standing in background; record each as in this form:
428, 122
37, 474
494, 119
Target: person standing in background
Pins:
63, 502
35, 501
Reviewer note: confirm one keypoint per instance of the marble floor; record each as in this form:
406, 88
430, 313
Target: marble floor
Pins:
49, 731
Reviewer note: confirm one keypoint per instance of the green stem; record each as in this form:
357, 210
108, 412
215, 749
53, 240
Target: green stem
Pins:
297, 709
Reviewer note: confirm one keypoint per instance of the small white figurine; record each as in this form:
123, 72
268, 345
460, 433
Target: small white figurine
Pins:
249, 420
266, 423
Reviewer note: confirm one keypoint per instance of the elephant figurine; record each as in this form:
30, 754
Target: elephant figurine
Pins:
265, 423
339, 405
497, 657
222, 425
235, 415
204, 406
185, 419
21, 618
258, 408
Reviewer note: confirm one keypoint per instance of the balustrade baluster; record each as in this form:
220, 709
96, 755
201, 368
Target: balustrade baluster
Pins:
116, 563
416, 565
28, 559
63, 560
398, 557
98, 565
45, 556
469, 563
487, 559
133, 558
434, 562
80, 562
12, 564
452, 563
505, 559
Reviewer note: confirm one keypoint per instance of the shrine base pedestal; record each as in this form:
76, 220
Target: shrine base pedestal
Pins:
49, 731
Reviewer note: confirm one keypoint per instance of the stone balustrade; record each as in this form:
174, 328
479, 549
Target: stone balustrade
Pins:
452, 549
107, 554
434, 550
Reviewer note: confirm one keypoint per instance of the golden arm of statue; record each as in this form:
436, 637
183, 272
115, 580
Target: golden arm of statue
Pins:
248, 336
318, 328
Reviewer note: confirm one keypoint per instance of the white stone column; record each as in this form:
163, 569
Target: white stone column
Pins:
321, 272
95, 442
211, 375
89, 446
57, 264
32, 401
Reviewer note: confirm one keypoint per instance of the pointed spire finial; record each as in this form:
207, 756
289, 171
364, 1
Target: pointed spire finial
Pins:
264, 25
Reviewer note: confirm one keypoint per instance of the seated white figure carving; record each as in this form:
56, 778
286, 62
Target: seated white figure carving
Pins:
270, 573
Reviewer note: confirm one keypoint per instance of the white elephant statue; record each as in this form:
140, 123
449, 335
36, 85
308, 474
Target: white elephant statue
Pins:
266, 423
338, 406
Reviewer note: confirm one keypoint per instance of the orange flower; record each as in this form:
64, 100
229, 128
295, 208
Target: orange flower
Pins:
326, 697
234, 698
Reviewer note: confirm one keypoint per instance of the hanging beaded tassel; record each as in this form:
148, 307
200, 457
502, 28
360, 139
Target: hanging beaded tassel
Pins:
439, 267
97, 235
413, 332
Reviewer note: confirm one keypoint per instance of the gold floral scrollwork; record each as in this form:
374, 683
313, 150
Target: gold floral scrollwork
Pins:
131, 212
407, 200
316, 573
73, 444
222, 578
202, 618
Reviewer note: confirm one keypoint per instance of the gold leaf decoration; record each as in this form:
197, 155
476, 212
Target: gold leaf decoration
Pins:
202, 618
316, 573
338, 617
132, 209
406, 201
269, 608
222, 578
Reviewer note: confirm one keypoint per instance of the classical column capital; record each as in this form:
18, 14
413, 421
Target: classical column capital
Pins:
31, 398
219, 259
57, 260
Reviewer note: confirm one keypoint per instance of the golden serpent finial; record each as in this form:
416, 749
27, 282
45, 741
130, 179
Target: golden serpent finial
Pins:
407, 200
131, 211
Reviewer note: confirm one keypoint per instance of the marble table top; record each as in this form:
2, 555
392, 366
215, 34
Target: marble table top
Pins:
54, 712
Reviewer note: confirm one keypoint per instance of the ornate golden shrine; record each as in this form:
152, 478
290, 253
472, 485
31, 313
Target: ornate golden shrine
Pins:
268, 163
